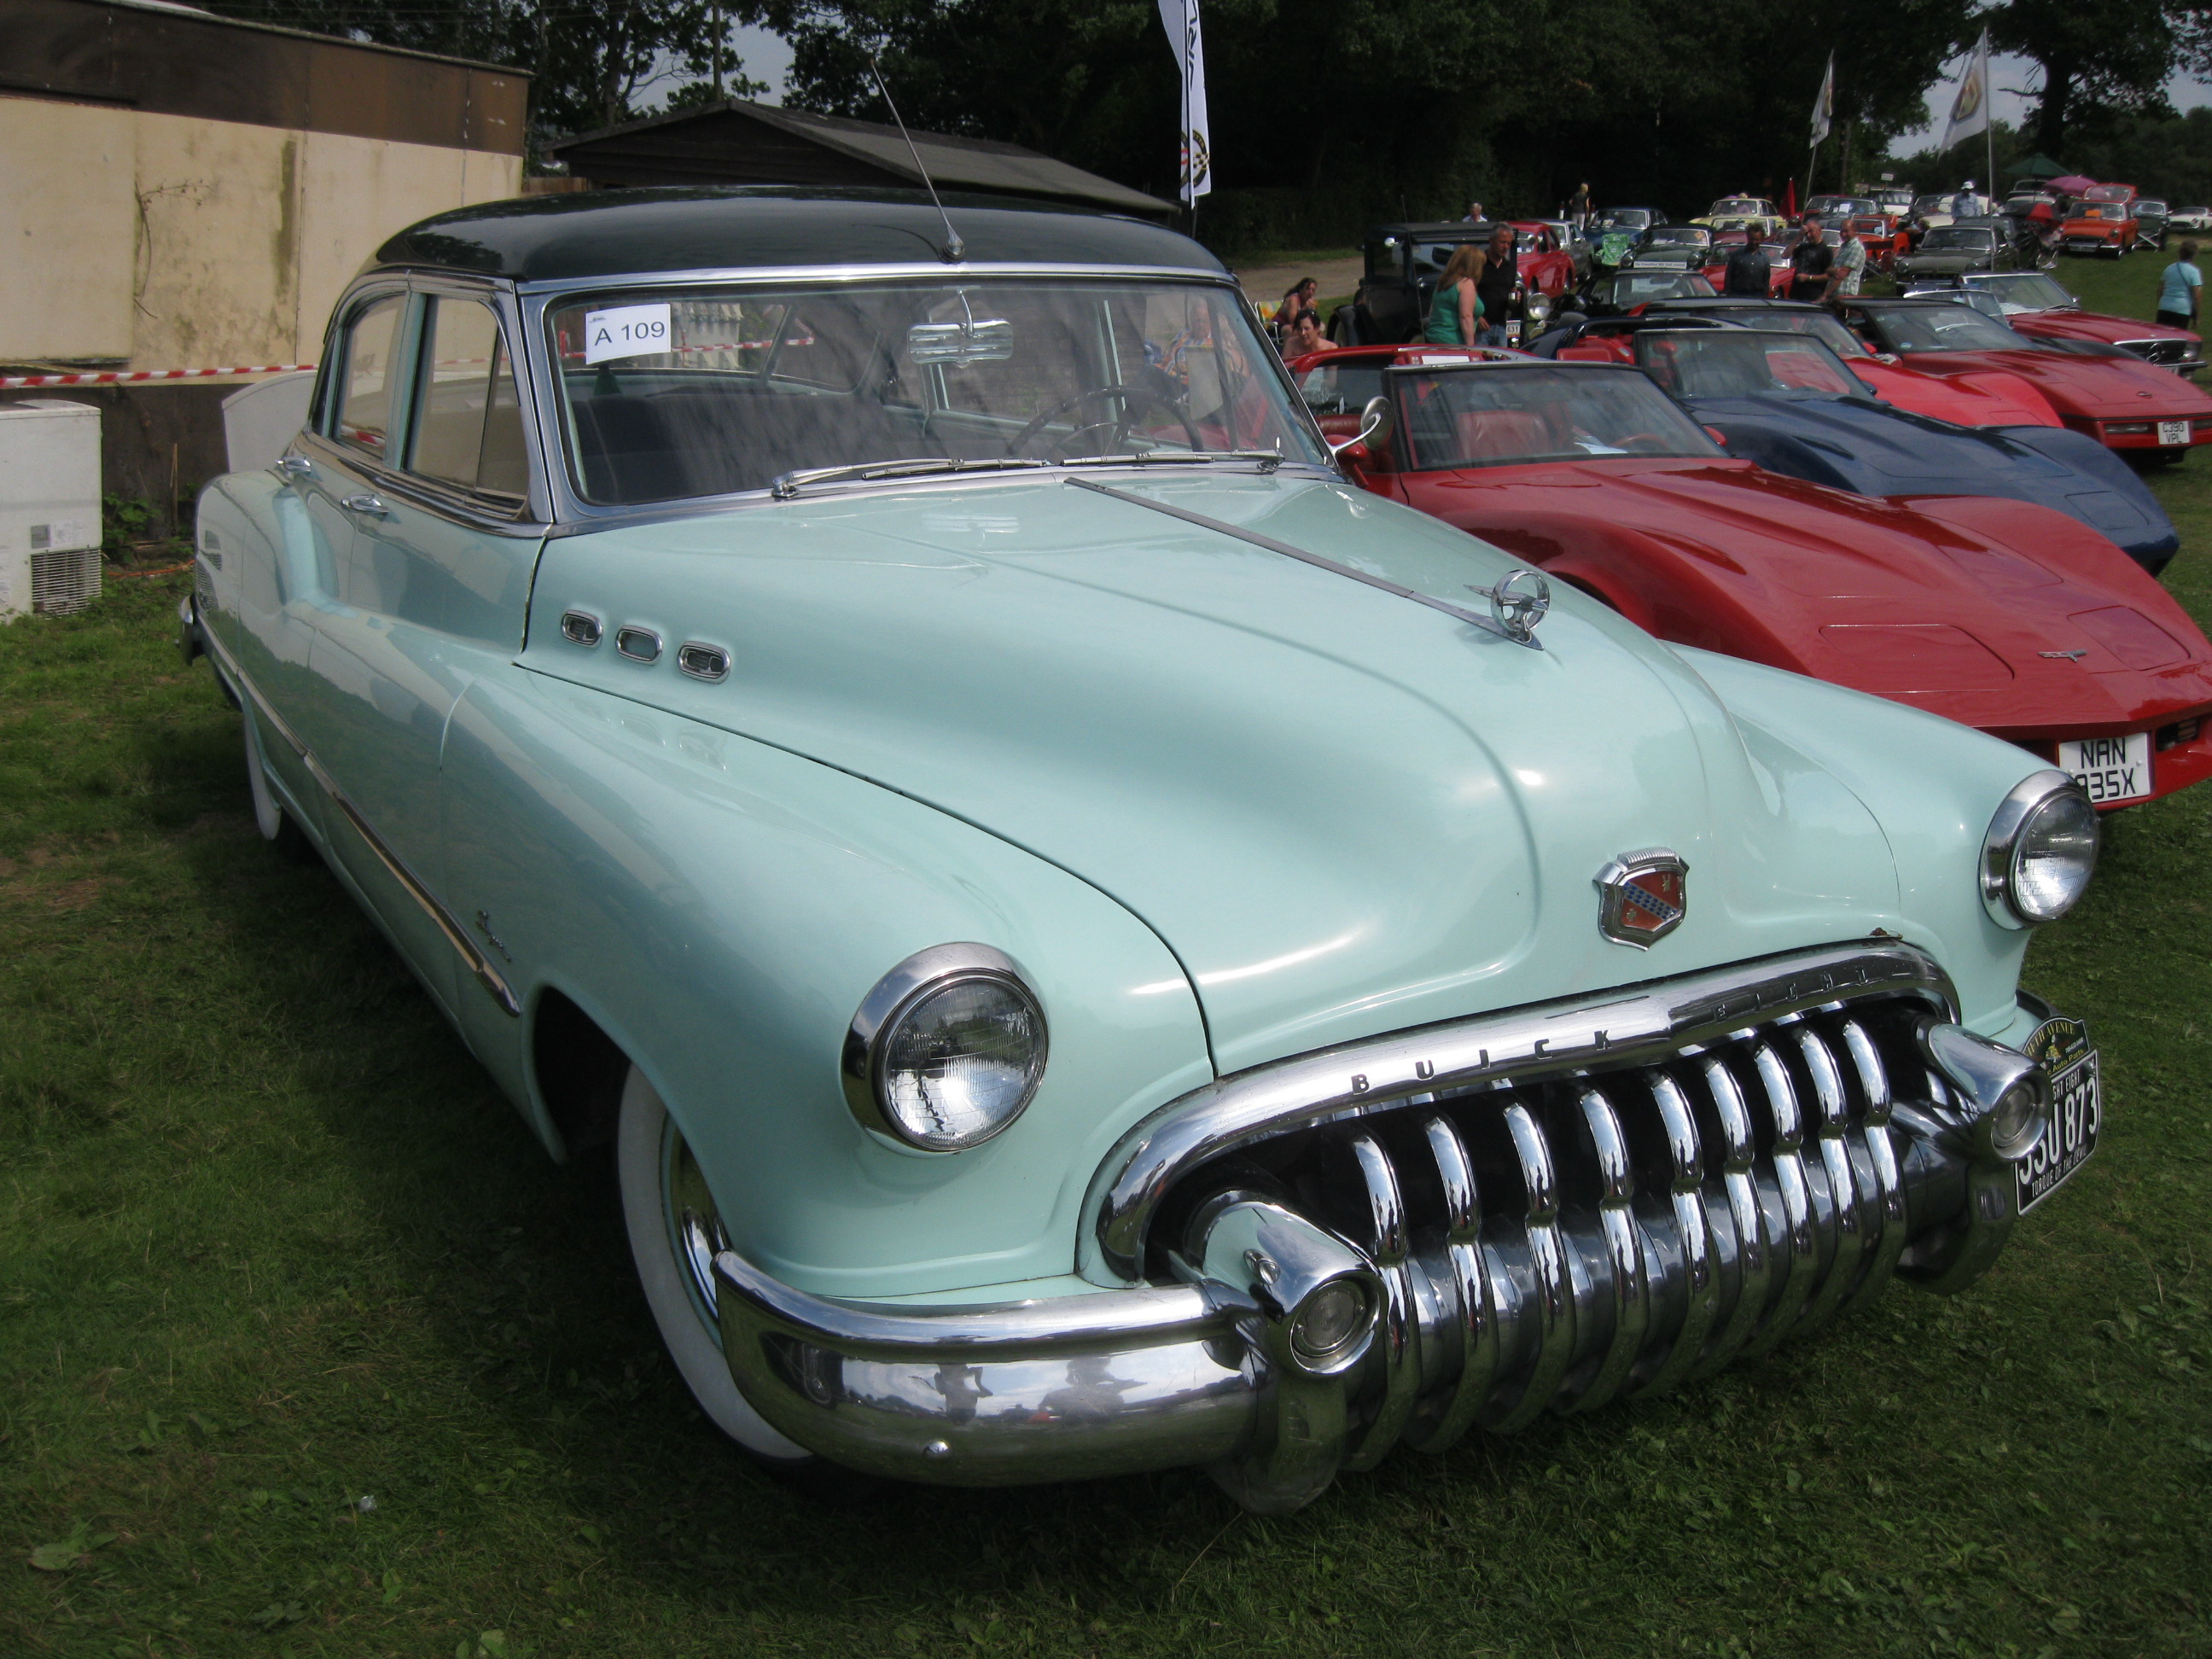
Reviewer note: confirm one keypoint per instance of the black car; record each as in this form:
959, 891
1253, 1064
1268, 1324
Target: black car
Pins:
1671, 248
1953, 250
1400, 283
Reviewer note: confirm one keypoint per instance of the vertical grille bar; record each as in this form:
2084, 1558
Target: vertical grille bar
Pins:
1476, 1309
1739, 1186
1625, 1263
1847, 1236
1686, 1176
1803, 1261
1889, 1183
1554, 1288
1395, 1333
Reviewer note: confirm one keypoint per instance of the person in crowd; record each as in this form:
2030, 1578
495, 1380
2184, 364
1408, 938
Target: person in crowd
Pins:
1810, 262
1578, 206
1501, 275
1474, 214
2180, 290
1969, 204
1304, 334
1458, 306
1748, 272
1299, 296
1849, 266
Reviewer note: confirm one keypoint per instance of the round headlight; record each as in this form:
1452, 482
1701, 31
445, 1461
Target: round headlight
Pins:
2040, 851
947, 1049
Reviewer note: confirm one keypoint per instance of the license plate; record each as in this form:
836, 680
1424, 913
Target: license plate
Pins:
2077, 1109
2173, 432
2111, 768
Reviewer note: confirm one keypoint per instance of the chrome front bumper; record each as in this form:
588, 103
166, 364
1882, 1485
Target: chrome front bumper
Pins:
1659, 1216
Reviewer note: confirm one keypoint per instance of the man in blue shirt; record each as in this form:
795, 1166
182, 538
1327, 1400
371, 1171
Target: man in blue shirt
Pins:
2178, 291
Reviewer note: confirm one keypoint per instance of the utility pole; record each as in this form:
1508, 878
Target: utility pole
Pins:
720, 31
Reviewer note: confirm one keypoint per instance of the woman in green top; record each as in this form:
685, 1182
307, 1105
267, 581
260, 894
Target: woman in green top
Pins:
1452, 318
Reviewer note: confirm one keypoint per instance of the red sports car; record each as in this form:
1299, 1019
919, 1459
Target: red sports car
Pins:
1545, 267
1987, 398
2001, 614
2118, 399
2038, 306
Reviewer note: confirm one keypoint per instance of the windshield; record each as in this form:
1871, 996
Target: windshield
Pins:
676, 392
1625, 219
1957, 237
1637, 288
2101, 210
2027, 290
1814, 324
2108, 193
1685, 235
1717, 363
1496, 416
1926, 204
1943, 328
1746, 204
1341, 388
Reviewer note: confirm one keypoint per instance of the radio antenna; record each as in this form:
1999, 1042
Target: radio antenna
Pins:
954, 247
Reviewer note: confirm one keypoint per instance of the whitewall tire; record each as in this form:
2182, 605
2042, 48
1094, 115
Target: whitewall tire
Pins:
673, 1231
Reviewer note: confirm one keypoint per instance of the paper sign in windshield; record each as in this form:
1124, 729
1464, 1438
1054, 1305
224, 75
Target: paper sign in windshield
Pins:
625, 331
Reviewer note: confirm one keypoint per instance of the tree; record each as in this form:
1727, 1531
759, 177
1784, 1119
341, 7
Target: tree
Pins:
2103, 61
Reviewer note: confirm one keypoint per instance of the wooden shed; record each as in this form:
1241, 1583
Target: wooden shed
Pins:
739, 143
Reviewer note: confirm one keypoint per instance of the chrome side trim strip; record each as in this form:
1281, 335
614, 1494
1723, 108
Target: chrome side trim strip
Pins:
1647, 1023
477, 964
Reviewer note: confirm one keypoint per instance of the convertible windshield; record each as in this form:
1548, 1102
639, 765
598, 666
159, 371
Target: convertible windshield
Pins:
1639, 287
677, 392
1685, 235
2027, 290
1722, 362
1958, 238
1943, 328
1498, 415
1818, 324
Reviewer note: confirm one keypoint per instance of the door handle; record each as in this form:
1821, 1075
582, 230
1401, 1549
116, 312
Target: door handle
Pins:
372, 505
296, 465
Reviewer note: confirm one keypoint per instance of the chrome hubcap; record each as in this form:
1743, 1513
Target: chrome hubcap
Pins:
694, 1227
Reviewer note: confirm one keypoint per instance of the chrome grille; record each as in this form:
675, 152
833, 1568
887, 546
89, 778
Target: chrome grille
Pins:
1562, 1241
2165, 353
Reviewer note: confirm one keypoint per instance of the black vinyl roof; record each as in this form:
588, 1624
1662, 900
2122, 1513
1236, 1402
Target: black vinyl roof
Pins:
620, 232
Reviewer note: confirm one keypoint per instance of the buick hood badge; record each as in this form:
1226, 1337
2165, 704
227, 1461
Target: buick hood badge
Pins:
1643, 896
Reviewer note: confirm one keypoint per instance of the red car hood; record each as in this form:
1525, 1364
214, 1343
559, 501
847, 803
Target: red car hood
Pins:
1926, 609
1963, 399
2091, 325
2103, 388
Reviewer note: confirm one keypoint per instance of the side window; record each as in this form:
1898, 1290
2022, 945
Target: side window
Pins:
468, 422
363, 416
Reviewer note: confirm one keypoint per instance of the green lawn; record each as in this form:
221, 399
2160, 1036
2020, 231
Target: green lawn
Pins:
272, 1248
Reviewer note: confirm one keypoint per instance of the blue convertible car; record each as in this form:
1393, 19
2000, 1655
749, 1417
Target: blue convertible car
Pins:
1766, 385
1095, 945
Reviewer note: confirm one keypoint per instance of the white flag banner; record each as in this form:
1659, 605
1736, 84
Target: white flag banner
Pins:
1824, 112
1180, 17
1970, 107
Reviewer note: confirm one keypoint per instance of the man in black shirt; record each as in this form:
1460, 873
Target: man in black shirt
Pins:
1748, 272
1810, 262
1496, 285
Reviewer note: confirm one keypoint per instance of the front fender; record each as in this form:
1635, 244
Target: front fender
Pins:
721, 907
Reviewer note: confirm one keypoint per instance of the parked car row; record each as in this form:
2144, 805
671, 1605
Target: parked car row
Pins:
1104, 930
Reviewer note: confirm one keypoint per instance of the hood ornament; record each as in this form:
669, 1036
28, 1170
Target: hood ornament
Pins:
1521, 600
1643, 896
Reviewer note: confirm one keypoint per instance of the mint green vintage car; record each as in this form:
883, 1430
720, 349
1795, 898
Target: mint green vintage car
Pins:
1097, 945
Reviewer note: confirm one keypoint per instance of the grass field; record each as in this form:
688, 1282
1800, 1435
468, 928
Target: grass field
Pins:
305, 1349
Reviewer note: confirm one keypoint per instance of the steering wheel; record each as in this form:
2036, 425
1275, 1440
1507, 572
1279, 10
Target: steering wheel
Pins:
1119, 424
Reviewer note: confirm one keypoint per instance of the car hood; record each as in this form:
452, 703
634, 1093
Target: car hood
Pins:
1344, 812
2091, 325
1963, 398
1869, 450
1928, 610
2102, 388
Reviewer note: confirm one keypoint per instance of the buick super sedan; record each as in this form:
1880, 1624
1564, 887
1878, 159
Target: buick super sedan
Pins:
1097, 945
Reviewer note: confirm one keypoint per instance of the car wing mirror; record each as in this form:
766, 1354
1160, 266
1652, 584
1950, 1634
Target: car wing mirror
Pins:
1376, 422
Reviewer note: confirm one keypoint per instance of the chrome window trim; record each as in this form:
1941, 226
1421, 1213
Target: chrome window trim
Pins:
479, 964
1629, 1024
723, 276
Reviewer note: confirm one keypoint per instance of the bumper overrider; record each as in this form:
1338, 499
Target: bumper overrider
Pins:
1457, 1227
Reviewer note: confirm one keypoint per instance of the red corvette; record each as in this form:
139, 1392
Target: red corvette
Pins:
1986, 398
2119, 400
2036, 306
2003, 615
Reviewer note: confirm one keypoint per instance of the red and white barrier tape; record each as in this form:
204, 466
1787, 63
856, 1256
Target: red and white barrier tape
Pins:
119, 377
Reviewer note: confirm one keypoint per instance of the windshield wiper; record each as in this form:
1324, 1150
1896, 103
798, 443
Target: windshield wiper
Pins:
785, 485
1266, 459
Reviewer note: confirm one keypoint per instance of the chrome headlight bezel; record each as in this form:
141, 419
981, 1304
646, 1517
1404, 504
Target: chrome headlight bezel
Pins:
2010, 837
897, 997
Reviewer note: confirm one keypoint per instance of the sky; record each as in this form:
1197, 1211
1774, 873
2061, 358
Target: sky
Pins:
765, 55
2009, 76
